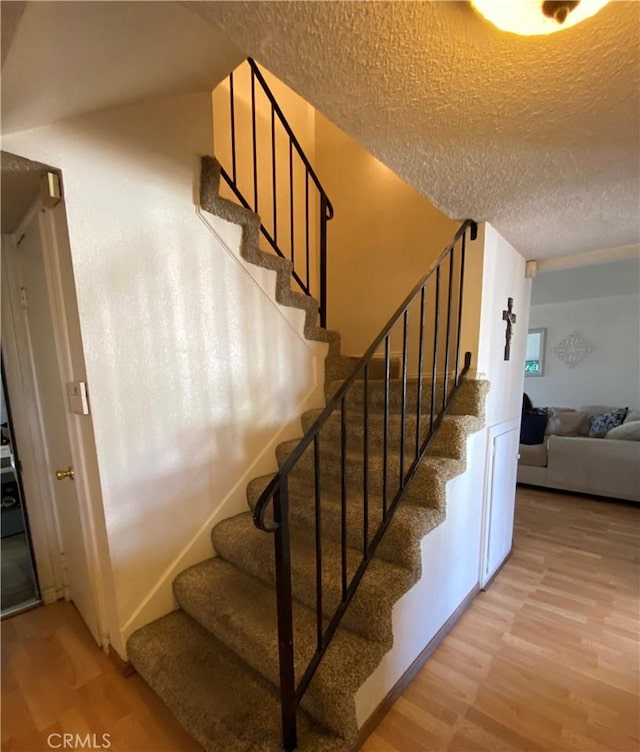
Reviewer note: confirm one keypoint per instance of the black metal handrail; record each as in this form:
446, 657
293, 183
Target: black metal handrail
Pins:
301, 272
277, 489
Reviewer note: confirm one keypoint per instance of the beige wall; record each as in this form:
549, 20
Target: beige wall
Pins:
384, 235
381, 241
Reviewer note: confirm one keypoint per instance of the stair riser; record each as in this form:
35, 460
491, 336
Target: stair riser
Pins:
331, 475
469, 399
341, 367
376, 398
447, 441
329, 698
396, 547
363, 616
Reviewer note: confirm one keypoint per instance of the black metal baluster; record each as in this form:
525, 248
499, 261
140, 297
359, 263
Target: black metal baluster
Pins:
385, 440
420, 362
277, 490
254, 141
274, 179
323, 261
403, 413
462, 256
343, 493
316, 467
306, 219
365, 480
315, 239
291, 223
232, 106
434, 371
447, 343
285, 616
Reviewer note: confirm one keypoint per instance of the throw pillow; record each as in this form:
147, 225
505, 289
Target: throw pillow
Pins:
591, 411
628, 431
532, 426
566, 424
601, 424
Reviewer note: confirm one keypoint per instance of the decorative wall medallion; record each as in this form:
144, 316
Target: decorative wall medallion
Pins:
572, 349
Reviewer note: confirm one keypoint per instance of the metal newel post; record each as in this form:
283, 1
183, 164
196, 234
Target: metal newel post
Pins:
288, 702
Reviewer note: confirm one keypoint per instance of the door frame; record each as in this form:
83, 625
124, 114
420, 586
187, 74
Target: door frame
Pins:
28, 419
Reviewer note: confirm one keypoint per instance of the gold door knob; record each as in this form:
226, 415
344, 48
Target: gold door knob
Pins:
62, 474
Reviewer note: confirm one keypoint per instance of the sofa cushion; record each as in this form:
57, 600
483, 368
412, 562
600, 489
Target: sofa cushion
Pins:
632, 416
594, 466
533, 455
532, 426
601, 424
566, 424
628, 431
551, 411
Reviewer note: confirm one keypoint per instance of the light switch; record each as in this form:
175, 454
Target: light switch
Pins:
77, 393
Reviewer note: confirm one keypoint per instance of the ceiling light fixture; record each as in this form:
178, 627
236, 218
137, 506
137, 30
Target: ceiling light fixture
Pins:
530, 17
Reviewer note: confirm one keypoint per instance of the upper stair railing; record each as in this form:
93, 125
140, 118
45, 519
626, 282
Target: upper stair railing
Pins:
427, 328
270, 174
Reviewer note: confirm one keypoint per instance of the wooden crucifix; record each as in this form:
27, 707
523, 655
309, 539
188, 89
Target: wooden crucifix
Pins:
510, 317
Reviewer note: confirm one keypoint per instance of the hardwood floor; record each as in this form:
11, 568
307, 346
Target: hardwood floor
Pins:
546, 659
56, 680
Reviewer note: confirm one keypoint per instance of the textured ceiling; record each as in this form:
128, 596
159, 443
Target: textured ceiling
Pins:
539, 135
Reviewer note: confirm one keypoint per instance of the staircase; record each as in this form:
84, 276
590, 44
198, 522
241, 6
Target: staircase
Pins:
269, 644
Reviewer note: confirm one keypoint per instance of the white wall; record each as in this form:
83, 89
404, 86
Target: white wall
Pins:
450, 570
607, 315
194, 373
455, 555
503, 277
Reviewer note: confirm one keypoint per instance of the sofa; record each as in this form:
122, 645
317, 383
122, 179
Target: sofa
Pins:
568, 459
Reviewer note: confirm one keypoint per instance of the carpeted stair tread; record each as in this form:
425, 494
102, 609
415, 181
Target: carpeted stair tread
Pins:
240, 611
218, 699
401, 542
212, 202
238, 541
469, 399
444, 468
449, 441
295, 299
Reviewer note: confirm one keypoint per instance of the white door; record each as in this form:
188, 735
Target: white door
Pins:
501, 496
37, 310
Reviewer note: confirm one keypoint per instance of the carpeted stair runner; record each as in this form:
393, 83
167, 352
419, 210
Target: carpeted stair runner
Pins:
215, 661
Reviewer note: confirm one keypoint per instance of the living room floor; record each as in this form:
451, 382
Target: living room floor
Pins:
546, 659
